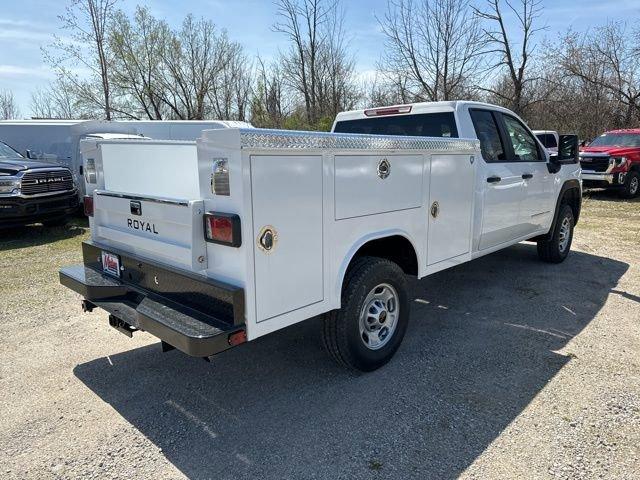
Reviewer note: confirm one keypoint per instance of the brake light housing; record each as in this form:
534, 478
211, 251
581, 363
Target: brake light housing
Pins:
378, 112
88, 205
222, 228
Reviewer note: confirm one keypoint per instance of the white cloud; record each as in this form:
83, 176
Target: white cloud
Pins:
15, 71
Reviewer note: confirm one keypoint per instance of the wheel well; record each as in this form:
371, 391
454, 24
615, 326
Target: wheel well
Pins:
395, 248
572, 198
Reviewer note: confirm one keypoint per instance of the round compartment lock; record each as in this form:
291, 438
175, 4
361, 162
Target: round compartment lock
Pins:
384, 168
267, 239
435, 209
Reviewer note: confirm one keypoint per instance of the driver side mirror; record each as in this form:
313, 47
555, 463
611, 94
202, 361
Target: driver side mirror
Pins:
567, 149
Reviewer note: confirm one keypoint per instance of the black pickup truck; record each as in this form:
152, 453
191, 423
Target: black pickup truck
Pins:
33, 192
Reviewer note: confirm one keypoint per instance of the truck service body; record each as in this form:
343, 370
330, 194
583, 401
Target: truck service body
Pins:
265, 228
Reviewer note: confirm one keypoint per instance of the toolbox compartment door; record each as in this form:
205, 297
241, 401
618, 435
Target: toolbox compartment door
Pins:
287, 199
450, 207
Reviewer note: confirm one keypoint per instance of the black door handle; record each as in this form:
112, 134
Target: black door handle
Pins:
527, 176
493, 179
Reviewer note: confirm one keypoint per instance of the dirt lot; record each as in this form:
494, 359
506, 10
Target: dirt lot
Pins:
510, 369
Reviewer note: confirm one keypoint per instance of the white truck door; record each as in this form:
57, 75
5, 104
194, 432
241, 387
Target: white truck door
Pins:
502, 183
287, 232
450, 210
535, 210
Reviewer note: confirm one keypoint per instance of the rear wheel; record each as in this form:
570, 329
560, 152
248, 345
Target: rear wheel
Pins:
555, 247
366, 332
631, 185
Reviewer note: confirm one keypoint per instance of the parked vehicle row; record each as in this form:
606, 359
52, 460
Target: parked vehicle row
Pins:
47, 145
212, 243
33, 191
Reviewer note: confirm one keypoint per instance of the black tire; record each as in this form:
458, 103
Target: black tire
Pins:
341, 328
56, 222
631, 185
550, 247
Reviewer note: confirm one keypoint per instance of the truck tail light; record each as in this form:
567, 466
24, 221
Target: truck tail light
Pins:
222, 228
88, 205
377, 112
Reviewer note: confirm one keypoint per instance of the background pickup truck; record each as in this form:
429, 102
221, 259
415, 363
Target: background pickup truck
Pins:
612, 161
248, 231
33, 192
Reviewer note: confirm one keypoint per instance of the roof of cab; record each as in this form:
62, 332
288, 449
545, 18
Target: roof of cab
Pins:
416, 108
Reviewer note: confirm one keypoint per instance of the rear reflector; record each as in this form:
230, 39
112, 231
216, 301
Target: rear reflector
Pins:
222, 228
237, 338
377, 112
88, 206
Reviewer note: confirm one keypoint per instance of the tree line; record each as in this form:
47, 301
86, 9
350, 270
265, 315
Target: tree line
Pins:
112, 65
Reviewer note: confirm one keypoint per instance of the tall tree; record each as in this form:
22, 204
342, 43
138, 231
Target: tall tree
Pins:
606, 58
513, 55
317, 65
86, 22
432, 46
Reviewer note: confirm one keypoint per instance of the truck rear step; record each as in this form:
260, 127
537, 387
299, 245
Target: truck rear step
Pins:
194, 332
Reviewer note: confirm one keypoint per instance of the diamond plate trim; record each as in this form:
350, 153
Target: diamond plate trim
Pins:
296, 140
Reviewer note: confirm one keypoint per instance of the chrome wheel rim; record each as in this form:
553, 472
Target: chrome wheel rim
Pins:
379, 316
565, 233
633, 185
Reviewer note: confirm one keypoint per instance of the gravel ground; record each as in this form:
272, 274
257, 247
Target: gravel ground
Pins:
511, 368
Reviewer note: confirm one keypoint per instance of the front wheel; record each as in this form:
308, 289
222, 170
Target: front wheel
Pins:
366, 332
554, 248
631, 185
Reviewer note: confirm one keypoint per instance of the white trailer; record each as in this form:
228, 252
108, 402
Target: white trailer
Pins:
264, 228
58, 141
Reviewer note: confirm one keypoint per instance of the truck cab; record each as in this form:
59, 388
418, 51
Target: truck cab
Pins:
32, 191
245, 231
612, 161
516, 174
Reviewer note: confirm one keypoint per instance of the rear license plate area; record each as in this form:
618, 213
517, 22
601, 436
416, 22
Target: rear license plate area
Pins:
111, 264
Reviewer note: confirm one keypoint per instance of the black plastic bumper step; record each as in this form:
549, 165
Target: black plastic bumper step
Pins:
193, 332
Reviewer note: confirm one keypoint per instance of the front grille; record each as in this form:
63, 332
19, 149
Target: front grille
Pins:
35, 182
594, 164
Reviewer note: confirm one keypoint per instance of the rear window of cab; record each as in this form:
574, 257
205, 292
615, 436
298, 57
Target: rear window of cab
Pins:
441, 124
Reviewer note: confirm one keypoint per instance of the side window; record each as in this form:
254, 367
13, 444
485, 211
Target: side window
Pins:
487, 131
524, 145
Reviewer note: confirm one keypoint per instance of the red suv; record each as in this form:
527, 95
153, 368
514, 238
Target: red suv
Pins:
612, 160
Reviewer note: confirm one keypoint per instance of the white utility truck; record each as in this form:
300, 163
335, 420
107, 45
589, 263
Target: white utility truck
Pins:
267, 228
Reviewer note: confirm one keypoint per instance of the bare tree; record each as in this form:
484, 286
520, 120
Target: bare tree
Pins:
606, 59
504, 49
8, 106
434, 44
55, 101
317, 66
268, 106
86, 22
137, 48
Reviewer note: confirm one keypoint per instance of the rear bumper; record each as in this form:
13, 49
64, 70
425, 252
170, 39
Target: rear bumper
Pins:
196, 315
25, 210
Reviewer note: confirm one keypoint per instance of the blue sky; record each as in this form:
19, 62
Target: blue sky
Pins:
27, 25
